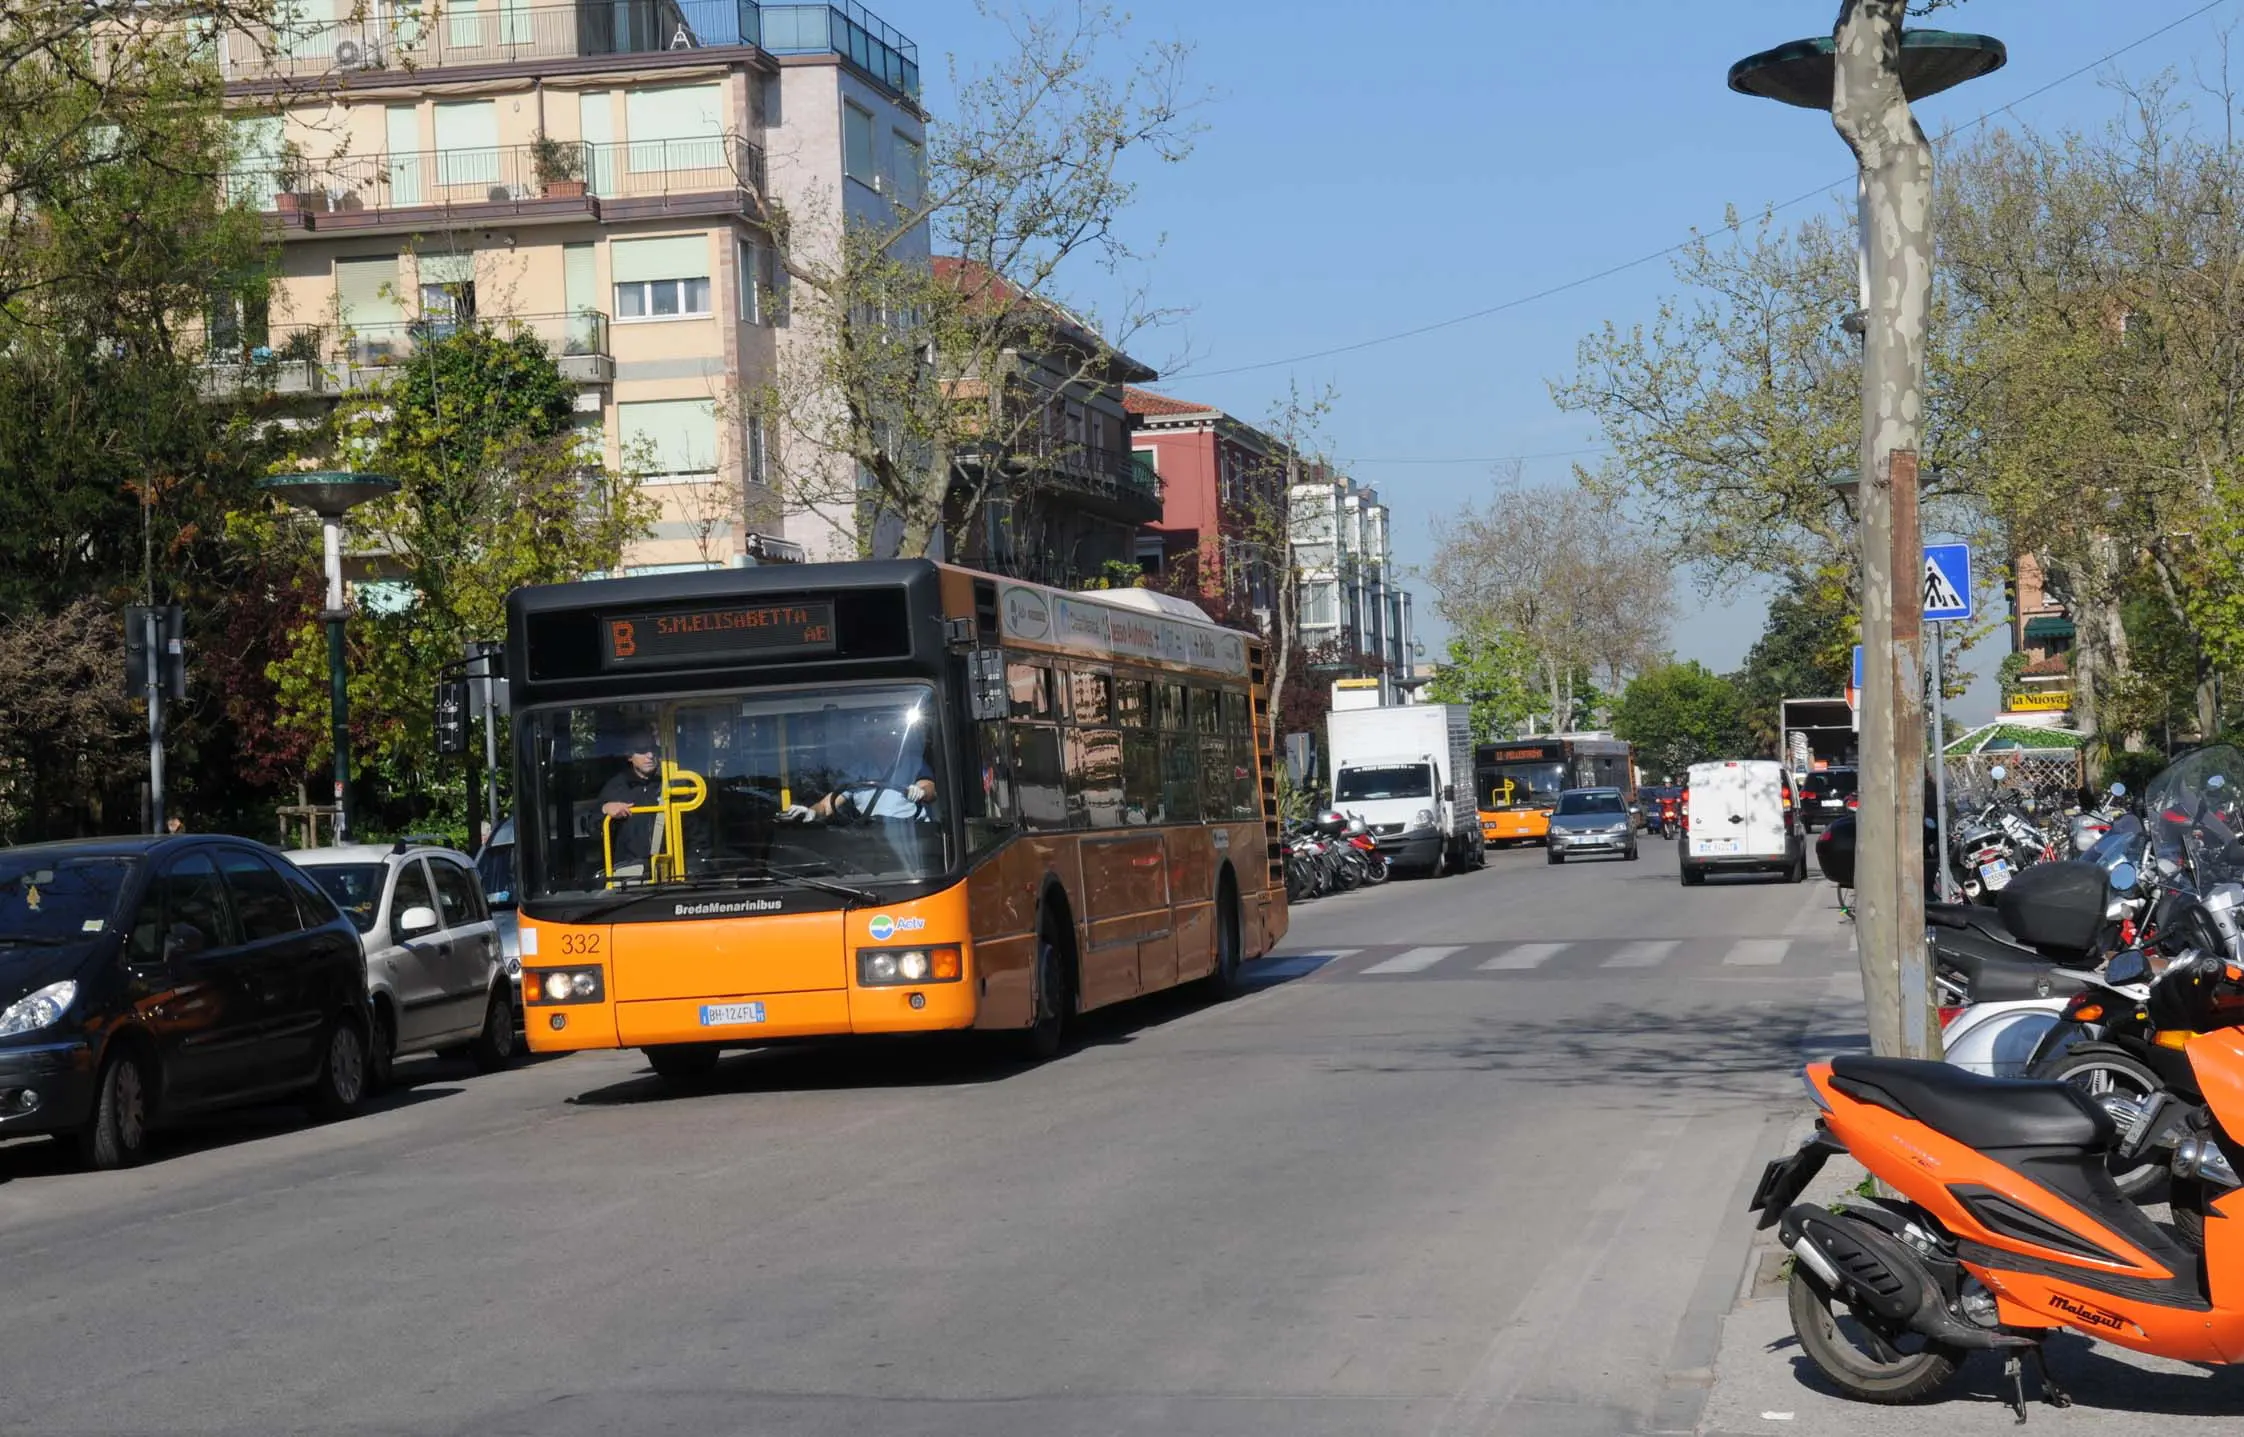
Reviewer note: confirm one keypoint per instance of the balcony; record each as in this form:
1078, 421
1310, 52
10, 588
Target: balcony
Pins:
312, 360
402, 38
847, 29
492, 32
1113, 482
409, 188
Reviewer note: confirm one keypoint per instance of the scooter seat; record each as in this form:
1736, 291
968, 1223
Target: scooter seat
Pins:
1978, 1112
1996, 978
1969, 915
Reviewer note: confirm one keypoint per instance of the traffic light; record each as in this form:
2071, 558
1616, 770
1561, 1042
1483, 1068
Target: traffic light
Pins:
452, 716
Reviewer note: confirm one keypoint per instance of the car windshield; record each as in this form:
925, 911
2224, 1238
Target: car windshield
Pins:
1521, 785
1570, 804
736, 788
47, 901
355, 887
495, 867
1396, 780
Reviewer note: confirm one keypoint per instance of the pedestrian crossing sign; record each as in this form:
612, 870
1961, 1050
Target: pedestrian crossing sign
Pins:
1947, 588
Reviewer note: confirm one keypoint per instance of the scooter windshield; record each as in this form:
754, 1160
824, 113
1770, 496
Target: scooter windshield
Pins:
2194, 804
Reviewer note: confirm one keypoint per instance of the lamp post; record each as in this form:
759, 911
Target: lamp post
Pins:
331, 496
1865, 73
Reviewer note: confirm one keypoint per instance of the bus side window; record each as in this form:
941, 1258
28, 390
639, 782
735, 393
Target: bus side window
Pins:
1094, 776
1040, 784
1133, 707
1030, 688
1180, 777
989, 810
1141, 777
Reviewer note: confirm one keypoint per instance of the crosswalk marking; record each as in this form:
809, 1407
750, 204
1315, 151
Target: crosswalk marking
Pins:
1648, 954
1416, 960
1523, 955
1757, 952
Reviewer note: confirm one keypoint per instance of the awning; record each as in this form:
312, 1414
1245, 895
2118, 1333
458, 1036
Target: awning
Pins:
2049, 626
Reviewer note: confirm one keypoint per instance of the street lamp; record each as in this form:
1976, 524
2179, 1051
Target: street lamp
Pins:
331, 496
1865, 73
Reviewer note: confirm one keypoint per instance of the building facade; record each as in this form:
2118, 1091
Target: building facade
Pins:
591, 174
1351, 605
1222, 504
2041, 630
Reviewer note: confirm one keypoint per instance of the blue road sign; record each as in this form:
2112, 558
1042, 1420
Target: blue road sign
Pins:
1947, 591
1858, 668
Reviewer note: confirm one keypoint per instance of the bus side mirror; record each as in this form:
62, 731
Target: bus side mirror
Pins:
985, 671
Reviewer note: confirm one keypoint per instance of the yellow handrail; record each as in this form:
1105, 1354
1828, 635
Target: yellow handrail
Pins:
677, 783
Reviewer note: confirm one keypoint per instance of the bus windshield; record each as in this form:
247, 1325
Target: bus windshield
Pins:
744, 787
1521, 785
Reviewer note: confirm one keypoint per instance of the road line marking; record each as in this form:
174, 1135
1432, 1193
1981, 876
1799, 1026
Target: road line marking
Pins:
1524, 955
1414, 961
1649, 954
1757, 952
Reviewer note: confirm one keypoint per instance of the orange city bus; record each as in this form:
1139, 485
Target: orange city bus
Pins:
1517, 783
890, 797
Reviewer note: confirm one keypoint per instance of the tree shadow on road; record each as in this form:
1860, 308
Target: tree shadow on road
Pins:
1718, 1050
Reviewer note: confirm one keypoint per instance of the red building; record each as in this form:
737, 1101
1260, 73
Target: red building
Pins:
1222, 502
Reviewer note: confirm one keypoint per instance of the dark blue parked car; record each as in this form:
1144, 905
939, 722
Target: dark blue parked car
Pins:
145, 978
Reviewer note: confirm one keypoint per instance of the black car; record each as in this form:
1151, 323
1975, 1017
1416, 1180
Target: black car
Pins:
145, 978
1824, 795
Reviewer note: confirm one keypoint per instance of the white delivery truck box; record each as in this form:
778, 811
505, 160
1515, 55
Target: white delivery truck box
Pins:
1407, 772
1740, 815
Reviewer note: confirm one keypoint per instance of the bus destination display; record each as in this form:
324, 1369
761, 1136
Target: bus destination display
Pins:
1522, 754
704, 634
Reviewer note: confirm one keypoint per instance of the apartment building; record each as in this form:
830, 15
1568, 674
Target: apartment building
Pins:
1222, 483
2041, 628
1062, 498
591, 174
1351, 604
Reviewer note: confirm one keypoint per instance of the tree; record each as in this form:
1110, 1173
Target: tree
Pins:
117, 461
1805, 651
893, 367
1565, 574
496, 491
1495, 673
1678, 715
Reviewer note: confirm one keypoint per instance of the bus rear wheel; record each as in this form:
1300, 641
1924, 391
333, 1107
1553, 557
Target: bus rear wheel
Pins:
1223, 980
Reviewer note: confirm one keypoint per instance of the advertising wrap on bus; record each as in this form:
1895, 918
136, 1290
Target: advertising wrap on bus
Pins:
881, 797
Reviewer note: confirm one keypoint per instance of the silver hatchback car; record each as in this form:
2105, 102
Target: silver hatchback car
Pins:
434, 970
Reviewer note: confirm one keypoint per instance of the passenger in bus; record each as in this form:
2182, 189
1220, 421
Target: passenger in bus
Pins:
637, 785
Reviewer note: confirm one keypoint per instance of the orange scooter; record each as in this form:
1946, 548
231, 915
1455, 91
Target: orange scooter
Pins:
2007, 1225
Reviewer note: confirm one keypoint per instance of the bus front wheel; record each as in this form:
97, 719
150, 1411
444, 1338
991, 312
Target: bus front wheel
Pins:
683, 1064
1055, 990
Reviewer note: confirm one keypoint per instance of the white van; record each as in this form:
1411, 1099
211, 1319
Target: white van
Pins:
1742, 815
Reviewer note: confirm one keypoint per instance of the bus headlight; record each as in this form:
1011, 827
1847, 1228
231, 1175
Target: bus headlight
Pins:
890, 967
561, 985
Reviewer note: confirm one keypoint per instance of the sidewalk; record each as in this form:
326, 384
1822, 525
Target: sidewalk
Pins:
1765, 1387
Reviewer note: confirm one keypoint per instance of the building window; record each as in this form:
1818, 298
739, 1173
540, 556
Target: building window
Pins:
751, 283
909, 186
669, 440
1320, 607
758, 472
858, 161
663, 298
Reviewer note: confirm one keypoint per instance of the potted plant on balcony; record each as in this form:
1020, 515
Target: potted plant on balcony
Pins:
293, 191
559, 166
306, 347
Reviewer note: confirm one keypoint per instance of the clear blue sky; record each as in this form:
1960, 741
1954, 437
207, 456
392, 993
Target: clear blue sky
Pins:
1369, 168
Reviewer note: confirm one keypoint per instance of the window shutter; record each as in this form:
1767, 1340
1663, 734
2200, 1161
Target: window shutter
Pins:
669, 436
448, 268
672, 257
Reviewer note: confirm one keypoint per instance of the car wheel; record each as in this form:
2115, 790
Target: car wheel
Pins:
1693, 875
1632, 853
381, 1055
1798, 873
116, 1136
684, 1065
341, 1087
1554, 856
494, 1048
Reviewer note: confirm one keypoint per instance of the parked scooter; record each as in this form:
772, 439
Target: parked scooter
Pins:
2006, 1225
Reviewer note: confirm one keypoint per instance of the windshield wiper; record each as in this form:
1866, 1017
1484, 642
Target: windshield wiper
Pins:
631, 890
823, 885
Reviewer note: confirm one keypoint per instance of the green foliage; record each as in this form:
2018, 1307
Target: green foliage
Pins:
2008, 672
1806, 650
496, 492
2135, 769
1494, 672
1678, 715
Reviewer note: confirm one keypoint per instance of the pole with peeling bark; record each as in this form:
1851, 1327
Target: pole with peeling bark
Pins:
1872, 114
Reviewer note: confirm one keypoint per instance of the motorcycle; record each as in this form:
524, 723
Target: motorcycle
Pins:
2005, 1225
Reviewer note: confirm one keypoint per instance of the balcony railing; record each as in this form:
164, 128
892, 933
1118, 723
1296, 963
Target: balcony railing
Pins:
847, 28
1096, 471
438, 35
315, 359
449, 35
509, 175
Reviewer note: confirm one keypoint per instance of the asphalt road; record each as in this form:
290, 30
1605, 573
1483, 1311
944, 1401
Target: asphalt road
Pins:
1469, 1159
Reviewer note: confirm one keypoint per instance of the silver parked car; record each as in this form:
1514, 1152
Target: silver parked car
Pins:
433, 965
1591, 820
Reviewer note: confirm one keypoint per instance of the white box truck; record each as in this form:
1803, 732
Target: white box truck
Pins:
1407, 772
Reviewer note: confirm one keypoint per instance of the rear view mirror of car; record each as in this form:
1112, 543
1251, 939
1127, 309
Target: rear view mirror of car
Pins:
416, 921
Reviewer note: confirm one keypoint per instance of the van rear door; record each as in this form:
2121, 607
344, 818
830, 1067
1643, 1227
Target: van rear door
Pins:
1738, 810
